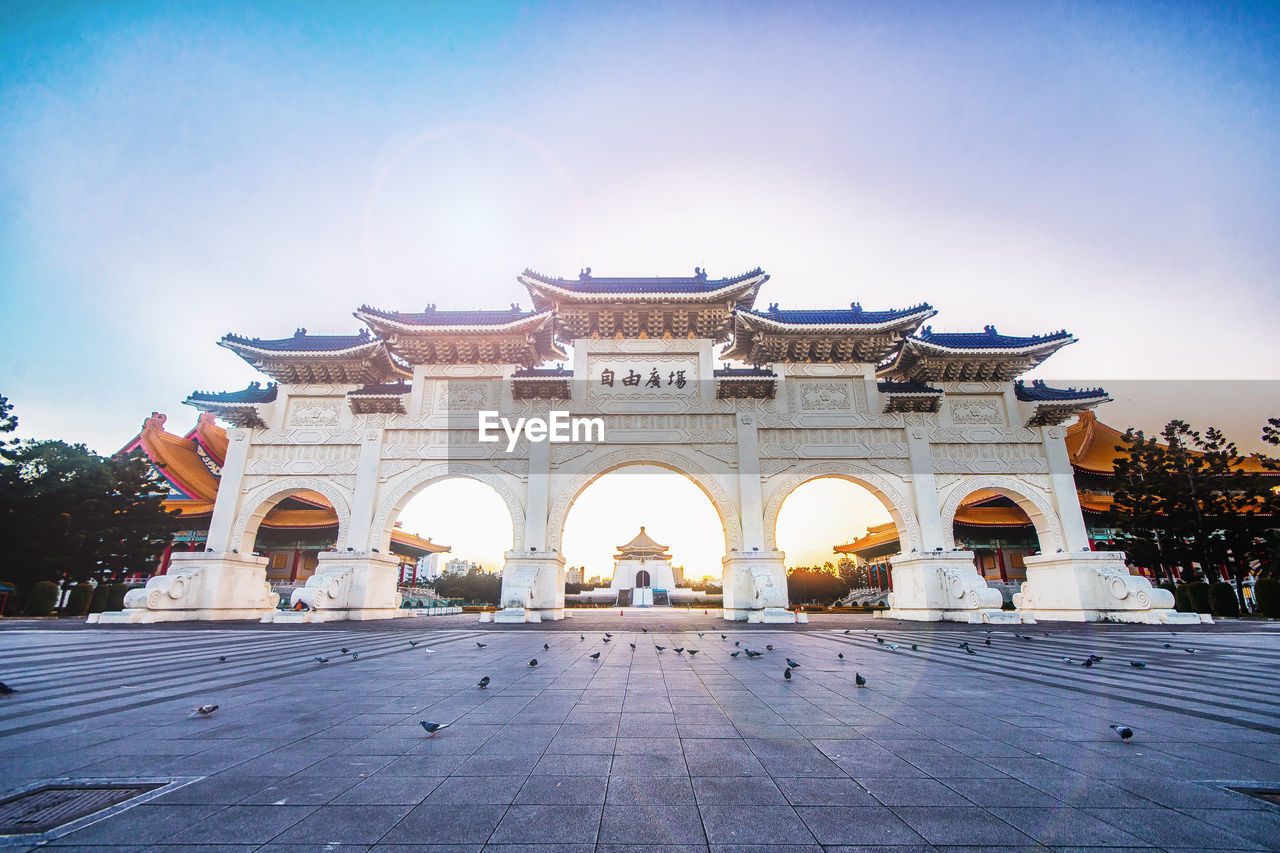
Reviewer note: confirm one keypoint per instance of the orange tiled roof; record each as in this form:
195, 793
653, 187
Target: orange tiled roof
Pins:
177, 459
1091, 445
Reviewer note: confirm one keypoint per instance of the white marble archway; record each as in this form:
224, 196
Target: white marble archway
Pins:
725, 505
1028, 498
411, 484
255, 506
900, 509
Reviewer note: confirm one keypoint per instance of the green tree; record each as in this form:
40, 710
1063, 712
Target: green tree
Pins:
1188, 498
68, 513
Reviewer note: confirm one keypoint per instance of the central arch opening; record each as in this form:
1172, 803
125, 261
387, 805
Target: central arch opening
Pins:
642, 535
838, 537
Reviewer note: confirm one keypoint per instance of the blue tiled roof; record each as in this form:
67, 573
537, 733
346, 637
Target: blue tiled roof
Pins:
384, 388
744, 373
888, 386
255, 393
852, 315
989, 338
557, 372
697, 283
435, 317
1040, 393
302, 342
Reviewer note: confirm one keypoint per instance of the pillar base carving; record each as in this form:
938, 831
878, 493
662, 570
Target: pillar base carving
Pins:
1095, 586
532, 587
199, 586
355, 585
755, 587
944, 586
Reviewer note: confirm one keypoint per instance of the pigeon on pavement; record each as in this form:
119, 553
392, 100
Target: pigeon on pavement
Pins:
203, 711
792, 664
480, 644
432, 728
321, 659
840, 655
734, 654
483, 683
1137, 664
414, 642
6, 690
546, 647
1125, 732
533, 662
786, 673
594, 656
859, 680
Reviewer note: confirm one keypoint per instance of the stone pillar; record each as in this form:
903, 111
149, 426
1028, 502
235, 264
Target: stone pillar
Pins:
361, 536
754, 579
227, 502
925, 491
943, 586
357, 585
199, 586
1095, 586
755, 587
1065, 497
532, 587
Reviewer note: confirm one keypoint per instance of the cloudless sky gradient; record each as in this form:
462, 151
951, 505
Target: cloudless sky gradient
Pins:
171, 172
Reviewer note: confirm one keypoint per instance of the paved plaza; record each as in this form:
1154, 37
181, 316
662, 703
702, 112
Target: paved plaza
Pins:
1007, 748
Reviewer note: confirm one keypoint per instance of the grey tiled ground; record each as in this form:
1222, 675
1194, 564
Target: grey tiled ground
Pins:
1006, 750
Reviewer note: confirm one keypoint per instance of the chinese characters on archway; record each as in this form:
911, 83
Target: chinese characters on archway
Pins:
634, 379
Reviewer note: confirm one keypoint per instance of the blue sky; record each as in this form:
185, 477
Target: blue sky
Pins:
172, 172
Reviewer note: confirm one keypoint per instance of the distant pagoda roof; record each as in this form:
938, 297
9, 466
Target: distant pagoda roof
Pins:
970, 356
682, 307
433, 336
642, 546
304, 358
821, 335
239, 408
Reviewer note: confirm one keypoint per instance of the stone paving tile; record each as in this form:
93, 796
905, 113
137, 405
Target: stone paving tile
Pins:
1172, 829
548, 824
241, 825
144, 824
1063, 825
389, 790
344, 824
754, 824
751, 790
653, 824
481, 790
857, 825
427, 824
801, 791
959, 825
302, 789
568, 790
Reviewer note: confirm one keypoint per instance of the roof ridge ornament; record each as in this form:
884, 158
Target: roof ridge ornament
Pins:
300, 333
701, 275
990, 329
585, 274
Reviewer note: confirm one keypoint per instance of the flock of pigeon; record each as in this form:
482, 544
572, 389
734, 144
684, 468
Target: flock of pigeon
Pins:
1124, 732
